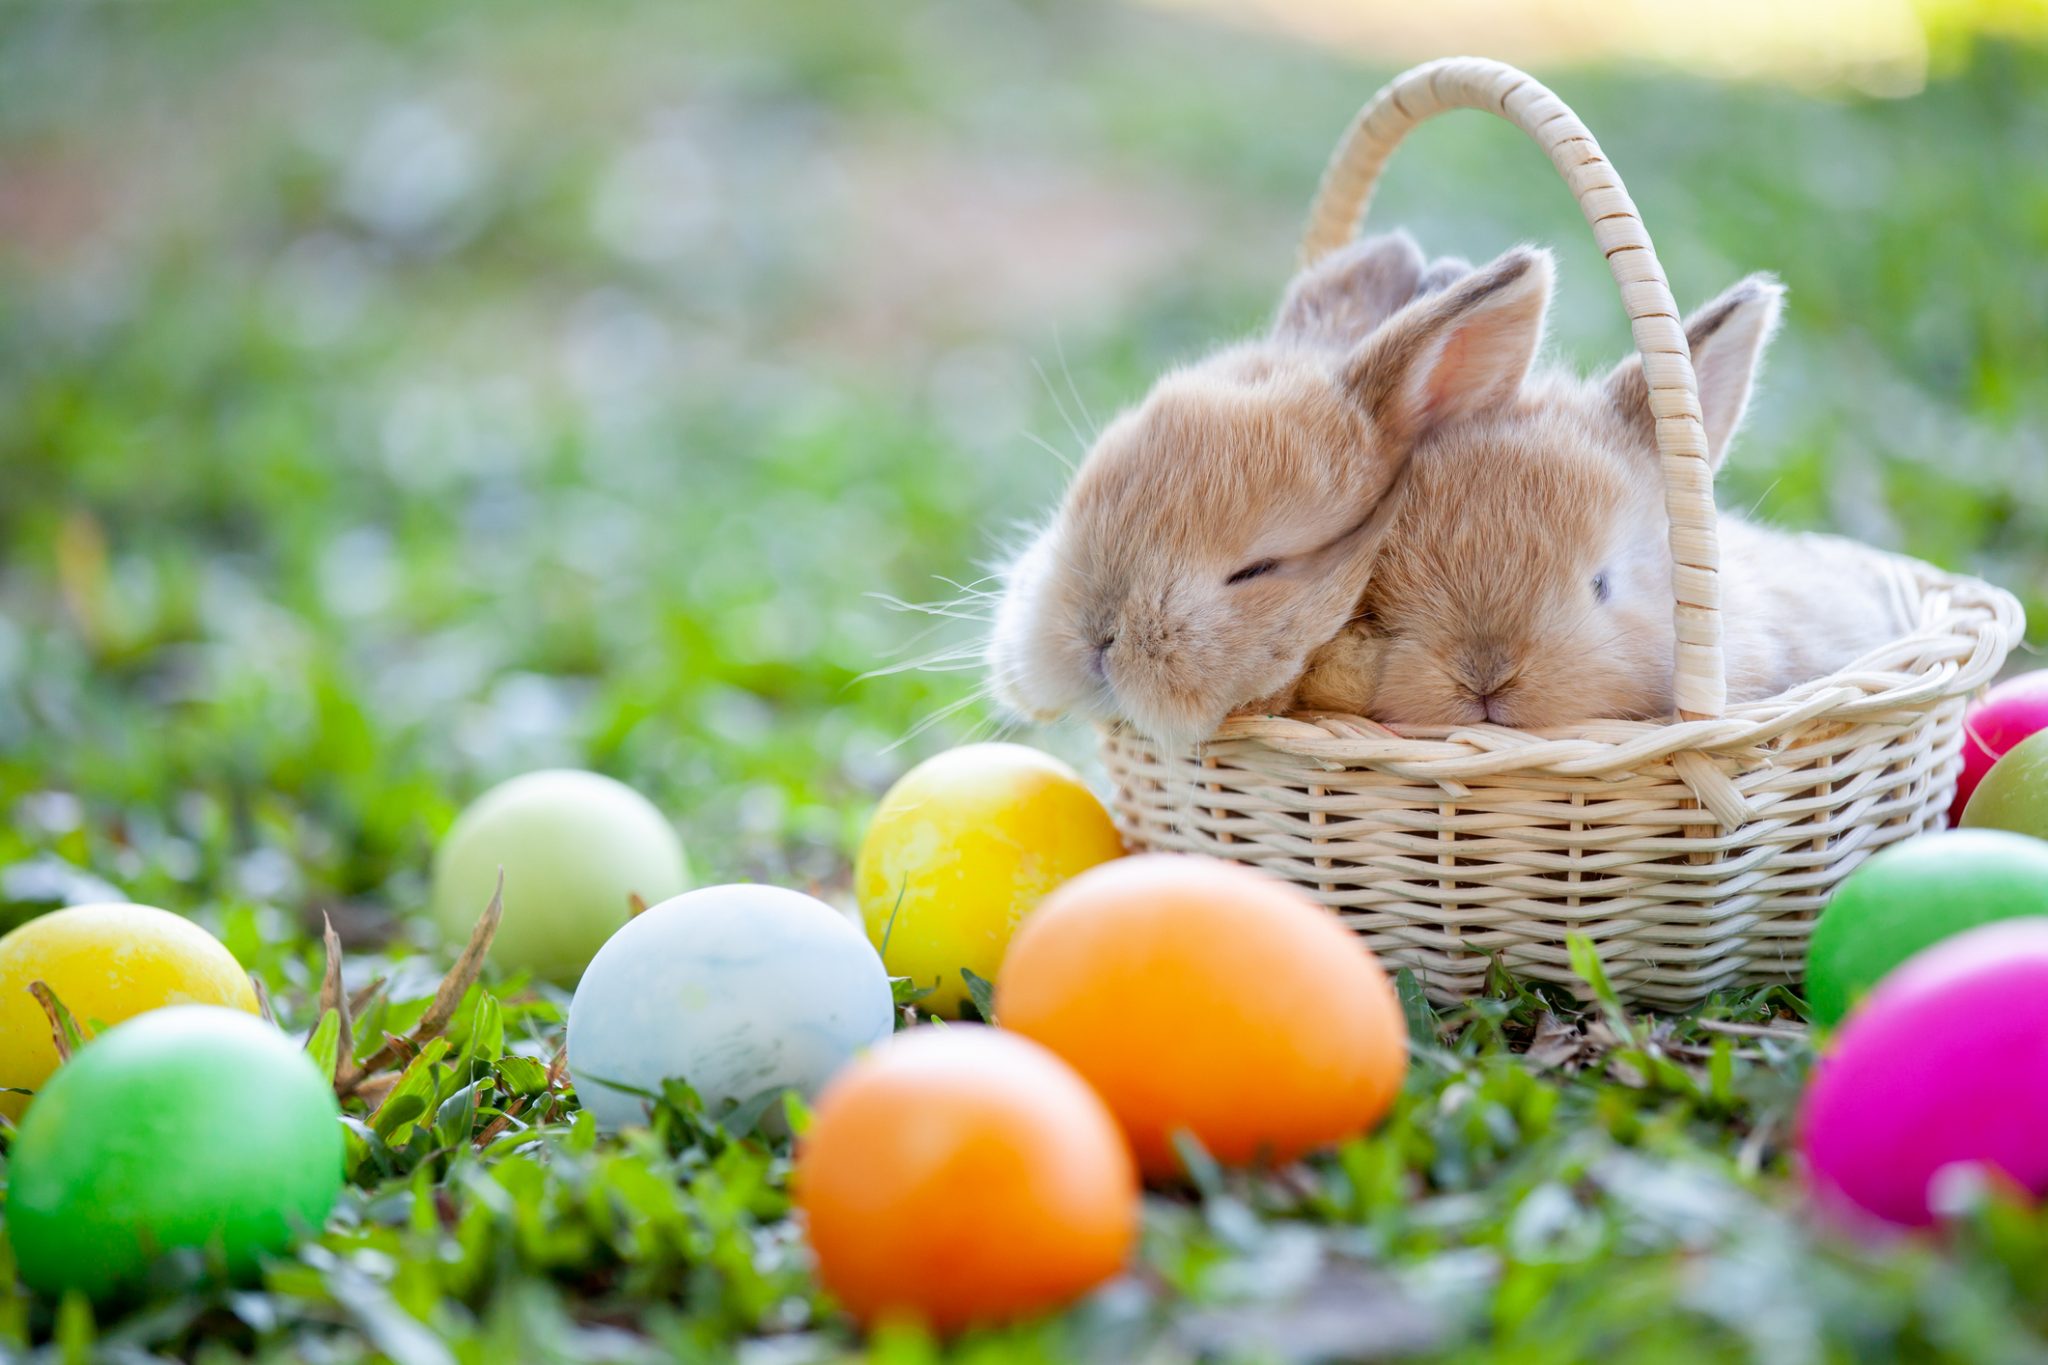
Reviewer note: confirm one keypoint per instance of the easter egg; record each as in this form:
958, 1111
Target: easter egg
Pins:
576, 848
2014, 794
961, 849
736, 989
2007, 714
189, 1127
105, 963
963, 1175
1945, 1062
1913, 895
1203, 996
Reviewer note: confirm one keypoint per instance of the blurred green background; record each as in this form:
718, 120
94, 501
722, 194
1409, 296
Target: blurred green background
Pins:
396, 397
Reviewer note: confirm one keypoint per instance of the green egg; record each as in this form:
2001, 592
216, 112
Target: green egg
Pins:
2014, 794
193, 1127
576, 848
1912, 896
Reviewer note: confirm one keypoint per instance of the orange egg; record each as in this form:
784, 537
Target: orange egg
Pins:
1201, 995
962, 1175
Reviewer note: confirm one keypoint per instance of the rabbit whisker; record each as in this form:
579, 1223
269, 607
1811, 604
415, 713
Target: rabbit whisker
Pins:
1059, 406
1049, 448
938, 717
1060, 350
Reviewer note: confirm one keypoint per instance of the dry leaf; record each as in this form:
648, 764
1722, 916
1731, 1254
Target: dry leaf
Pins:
362, 999
262, 1000
1601, 1038
1786, 1031
333, 997
447, 998
374, 1090
62, 1027
499, 1124
1556, 1044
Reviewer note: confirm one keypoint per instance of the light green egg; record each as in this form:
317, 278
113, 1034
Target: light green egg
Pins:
576, 848
2014, 794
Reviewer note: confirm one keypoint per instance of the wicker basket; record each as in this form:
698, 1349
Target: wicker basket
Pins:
1694, 854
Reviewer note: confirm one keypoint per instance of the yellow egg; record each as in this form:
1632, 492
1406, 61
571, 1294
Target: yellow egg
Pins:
961, 849
106, 963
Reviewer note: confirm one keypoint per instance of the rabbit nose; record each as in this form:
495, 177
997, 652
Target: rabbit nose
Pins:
1487, 671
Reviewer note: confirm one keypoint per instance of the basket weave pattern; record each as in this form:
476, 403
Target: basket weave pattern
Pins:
1694, 854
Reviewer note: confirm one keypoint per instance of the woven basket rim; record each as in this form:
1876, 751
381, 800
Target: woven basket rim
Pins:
1954, 654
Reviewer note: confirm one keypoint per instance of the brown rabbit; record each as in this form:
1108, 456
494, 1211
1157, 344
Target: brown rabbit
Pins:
1526, 579
1224, 528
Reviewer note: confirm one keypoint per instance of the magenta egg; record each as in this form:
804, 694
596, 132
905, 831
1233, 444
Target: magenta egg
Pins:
1944, 1063
2009, 712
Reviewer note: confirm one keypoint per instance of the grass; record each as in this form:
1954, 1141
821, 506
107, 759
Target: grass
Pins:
396, 398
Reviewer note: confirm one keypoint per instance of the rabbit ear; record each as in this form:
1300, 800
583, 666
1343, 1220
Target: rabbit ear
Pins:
1457, 352
1340, 299
1443, 272
1726, 338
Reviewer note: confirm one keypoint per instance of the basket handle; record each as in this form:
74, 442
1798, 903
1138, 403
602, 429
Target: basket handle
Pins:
1477, 83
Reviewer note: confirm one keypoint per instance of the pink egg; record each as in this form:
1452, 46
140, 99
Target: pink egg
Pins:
2008, 713
1945, 1062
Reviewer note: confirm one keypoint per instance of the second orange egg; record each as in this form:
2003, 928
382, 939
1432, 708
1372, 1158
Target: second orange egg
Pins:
1203, 996
963, 1175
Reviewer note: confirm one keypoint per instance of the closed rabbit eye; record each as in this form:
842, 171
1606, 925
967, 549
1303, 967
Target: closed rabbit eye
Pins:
1602, 588
1251, 571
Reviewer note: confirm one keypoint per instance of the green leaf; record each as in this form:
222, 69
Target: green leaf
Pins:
1203, 1172
367, 1153
1585, 959
744, 1116
981, 993
1721, 1073
395, 1112
486, 1039
1415, 1007
325, 1042
904, 991
522, 1075
1586, 965
455, 1119
889, 929
415, 1093
796, 1113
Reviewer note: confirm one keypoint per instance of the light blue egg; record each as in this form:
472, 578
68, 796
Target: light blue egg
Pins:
735, 989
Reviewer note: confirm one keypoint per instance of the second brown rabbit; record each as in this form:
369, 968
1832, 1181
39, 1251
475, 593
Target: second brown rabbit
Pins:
1526, 579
